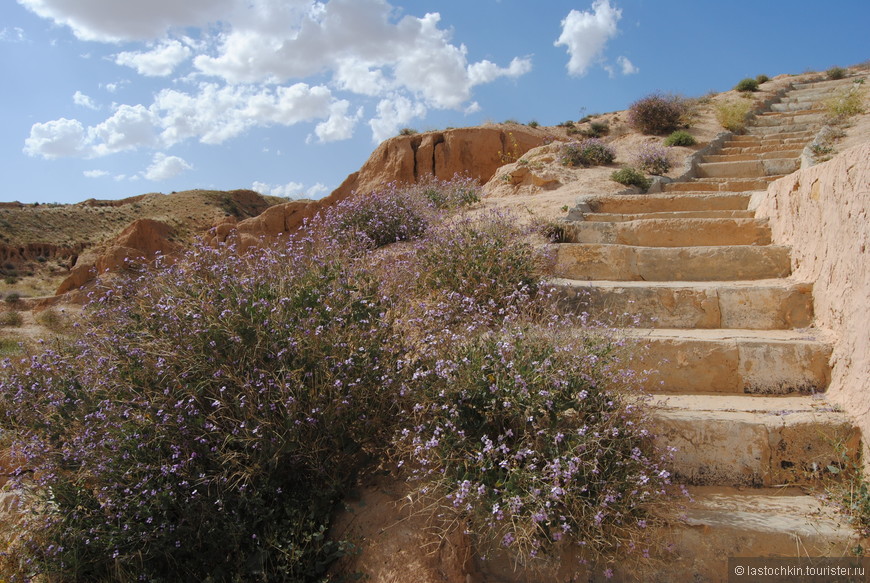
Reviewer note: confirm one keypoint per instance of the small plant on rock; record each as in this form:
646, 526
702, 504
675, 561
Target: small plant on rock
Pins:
631, 177
657, 114
846, 103
762, 79
680, 138
835, 73
590, 152
733, 115
747, 85
653, 159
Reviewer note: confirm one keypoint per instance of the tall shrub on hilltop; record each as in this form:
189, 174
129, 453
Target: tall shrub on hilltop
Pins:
657, 114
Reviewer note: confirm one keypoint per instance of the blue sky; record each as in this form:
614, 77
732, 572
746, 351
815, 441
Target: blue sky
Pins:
109, 98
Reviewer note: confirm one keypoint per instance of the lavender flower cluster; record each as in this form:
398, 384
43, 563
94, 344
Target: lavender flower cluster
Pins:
205, 418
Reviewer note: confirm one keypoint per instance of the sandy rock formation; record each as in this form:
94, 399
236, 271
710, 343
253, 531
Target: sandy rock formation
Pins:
477, 152
142, 241
822, 212
34, 251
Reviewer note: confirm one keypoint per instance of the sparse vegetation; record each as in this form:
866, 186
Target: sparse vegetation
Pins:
54, 320
653, 159
761, 79
408, 132
533, 124
589, 152
596, 129
733, 115
835, 73
11, 319
13, 299
631, 177
846, 103
657, 114
680, 138
747, 85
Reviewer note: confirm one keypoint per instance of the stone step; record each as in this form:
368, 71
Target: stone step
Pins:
727, 440
647, 203
702, 214
771, 119
748, 168
706, 184
625, 263
766, 150
793, 106
711, 525
776, 304
768, 362
671, 232
773, 138
780, 130
747, 156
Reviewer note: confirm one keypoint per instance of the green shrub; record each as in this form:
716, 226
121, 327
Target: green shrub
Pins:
408, 132
11, 319
596, 129
631, 177
760, 79
13, 298
733, 115
589, 152
56, 321
657, 114
533, 124
680, 138
747, 85
846, 103
835, 73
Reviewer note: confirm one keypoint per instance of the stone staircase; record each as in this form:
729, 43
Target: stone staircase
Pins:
740, 370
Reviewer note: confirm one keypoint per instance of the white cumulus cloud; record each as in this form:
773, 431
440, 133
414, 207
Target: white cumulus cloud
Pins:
164, 167
394, 113
628, 67
95, 173
585, 34
12, 35
158, 62
60, 138
339, 125
83, 100
289, 190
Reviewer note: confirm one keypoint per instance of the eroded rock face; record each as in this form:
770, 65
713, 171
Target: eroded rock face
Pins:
142, 241
822, 212
33, 251
477, 152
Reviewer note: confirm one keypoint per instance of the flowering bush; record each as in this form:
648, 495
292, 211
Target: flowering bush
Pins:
653, 159
530, 435
657, 113
205, 418
589, 152
460, 191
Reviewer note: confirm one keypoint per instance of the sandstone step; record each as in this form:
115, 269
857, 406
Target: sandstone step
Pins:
793, 105
748, 168
722, 522
709, 526
769, 362
706, 184
702, 214
646, 203
671, 232
626, 263
782, 119
750, 305
745, 156
753, 441
772, 138
779, 130
769, 151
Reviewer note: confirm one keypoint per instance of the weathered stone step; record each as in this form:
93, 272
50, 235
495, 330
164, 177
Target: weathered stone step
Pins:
722, 522
768, 151
646, 203
745, 156
778, 130
702, 214
793, 105
733, 361
748, 168
749, 305
626, 263
726, 440
706, 184
772, 138
671, 232
778, 119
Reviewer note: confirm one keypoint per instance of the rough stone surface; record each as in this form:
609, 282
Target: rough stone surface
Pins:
822, 212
